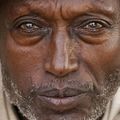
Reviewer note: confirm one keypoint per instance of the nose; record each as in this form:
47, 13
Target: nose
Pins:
62, 58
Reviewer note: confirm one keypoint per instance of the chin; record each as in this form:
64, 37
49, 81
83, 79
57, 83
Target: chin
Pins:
35, 110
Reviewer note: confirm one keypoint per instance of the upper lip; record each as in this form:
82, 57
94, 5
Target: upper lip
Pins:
60, 93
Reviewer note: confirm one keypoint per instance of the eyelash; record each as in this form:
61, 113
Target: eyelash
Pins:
30, 26
85, 26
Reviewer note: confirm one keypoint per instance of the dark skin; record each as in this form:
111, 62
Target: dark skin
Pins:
60, 58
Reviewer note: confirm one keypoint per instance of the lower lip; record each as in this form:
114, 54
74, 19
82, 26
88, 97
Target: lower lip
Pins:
63, 104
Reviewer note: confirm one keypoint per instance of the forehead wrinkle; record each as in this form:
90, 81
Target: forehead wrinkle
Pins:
63, 8
44, 8
57, 6
79, 7
47, 7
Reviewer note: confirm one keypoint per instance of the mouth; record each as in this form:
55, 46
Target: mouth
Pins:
64, 99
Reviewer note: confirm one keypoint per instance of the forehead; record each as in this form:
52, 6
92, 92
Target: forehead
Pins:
63, 8
64, 2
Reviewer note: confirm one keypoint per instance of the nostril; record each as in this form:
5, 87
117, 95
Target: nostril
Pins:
60, 70
56, 70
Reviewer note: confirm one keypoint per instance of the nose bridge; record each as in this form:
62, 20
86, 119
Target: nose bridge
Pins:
60, 46
60, 62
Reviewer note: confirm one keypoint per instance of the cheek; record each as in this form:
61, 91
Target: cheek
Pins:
100, 59
25, 64
108, 57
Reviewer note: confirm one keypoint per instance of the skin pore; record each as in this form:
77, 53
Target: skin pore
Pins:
60, 58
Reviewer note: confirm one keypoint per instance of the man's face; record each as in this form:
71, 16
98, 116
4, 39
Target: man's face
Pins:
60, 58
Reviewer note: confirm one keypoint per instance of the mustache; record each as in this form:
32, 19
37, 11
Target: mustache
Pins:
69, 89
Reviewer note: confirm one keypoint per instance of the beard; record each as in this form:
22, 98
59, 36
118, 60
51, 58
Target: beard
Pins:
34, 111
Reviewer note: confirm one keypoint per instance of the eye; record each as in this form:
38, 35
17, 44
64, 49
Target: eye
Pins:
28, 27
32, 28
29, 30
93, 31
92, 26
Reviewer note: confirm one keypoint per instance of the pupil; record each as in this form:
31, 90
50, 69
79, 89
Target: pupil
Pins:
93, 25
28, 25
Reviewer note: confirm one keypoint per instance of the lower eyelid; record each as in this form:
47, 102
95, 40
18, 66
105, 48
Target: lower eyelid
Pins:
25, 39
93, 40
90, 32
